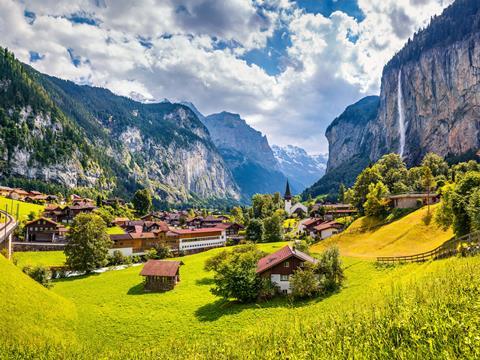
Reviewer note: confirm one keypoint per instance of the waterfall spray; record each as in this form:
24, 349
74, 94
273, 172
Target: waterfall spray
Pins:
401, 115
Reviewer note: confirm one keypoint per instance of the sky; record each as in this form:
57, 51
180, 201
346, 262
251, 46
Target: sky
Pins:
287, 67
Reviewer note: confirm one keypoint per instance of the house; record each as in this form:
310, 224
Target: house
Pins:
36, 199
5, 190
308, 224
68, 213
299, 209
231, 229
326, 229
44, 230
160, 275
17, 194
413, 200
154, 217
191, 241
334, 211
113, 202
120, 221
280, 265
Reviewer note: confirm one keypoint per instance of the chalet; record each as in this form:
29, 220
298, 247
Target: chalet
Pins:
17, 194
120, 221
36, 199
5, 190
231, 229
68, 213
326, 229
44, 230
160, 275
413, 200
280, 265
113, 202
211, 221
308, 224
154, 217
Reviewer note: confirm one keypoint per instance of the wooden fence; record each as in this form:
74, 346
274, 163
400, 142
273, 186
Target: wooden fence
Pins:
466, 244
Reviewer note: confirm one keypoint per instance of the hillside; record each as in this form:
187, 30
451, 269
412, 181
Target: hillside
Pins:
55, 131
31, 313
406, 236
370, 311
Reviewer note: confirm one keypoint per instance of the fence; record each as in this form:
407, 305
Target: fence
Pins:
465, 244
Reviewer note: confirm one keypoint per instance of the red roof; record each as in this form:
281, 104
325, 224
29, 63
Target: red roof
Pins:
327, 225
160, 268
311, 221
228, 225
42, 218
283, 254
196, 231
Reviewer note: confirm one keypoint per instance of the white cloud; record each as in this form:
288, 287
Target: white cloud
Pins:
326, 68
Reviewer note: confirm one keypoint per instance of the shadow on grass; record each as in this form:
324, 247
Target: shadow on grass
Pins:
221, 307
137, 290
204, 281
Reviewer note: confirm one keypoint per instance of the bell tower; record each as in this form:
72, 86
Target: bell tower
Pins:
288, 199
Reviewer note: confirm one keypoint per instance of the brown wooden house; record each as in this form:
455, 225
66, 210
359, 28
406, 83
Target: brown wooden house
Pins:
45, 230
280, 265
160, 275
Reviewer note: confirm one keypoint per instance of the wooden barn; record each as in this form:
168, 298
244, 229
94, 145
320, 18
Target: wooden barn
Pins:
160, 275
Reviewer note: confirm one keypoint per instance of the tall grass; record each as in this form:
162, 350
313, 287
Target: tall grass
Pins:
432, 316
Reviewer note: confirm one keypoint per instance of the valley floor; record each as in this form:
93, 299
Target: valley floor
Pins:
428, 310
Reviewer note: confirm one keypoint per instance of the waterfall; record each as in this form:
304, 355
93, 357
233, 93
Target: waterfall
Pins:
401, 115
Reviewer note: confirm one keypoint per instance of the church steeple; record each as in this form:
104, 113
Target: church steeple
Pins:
288, 194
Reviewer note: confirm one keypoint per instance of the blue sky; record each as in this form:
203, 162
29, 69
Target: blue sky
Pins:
287, 67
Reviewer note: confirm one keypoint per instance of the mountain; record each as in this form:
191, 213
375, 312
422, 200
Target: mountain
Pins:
247, 153
428, 102
56, 131
299, 167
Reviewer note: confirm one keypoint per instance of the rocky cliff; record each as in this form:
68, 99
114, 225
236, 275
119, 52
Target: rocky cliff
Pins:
429, 99
247, 153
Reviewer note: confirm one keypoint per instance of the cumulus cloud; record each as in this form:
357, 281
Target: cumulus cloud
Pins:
195, 50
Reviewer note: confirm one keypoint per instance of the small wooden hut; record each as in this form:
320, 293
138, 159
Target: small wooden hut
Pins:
160, 275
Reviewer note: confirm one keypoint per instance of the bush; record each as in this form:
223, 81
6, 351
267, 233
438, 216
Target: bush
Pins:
117, 258
267, 289
304, 283
163, 251
330, 271
40, 274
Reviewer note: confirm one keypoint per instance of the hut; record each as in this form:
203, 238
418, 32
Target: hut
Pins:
160, 275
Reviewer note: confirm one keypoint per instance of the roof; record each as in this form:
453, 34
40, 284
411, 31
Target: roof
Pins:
281, 255
412, 195
327, 225
160, 268
228, 225
311, 221
42, 218
196, 231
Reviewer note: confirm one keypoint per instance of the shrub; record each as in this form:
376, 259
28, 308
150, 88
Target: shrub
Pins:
267, 289
330, 270
163, 251
117, 258
40, 274
304, 283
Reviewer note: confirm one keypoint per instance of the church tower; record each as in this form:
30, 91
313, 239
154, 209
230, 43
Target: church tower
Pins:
288, 199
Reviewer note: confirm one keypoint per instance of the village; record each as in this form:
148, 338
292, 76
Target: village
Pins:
156, 235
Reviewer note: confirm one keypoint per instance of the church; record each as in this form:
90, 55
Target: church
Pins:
299, 209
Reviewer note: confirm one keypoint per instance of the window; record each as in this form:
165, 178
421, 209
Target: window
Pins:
283, 277
286, 264
284, 291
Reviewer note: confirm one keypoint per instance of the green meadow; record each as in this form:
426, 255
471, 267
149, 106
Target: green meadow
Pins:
427, 311
24, 208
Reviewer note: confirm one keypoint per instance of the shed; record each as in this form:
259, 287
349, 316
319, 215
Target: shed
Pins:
160, 275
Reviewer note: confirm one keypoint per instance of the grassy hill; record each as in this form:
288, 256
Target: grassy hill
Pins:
409, 235
24, 208
31, 313
426, 310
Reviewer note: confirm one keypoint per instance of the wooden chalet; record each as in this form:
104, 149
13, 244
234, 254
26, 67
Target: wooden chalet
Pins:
280, 265
231, 229
413, 200
326, 229
160, 275
45, 230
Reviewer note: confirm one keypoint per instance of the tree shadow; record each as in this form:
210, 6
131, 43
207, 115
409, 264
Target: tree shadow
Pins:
204, 281
137, 290
221, 307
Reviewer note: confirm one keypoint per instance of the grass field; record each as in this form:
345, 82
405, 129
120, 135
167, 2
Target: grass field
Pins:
427, 311
115, 230
24, 208
39, 258
406, 236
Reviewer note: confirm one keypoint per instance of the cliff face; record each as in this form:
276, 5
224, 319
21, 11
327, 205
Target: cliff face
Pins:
348, 135
429, 102
440, 102
247, 153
